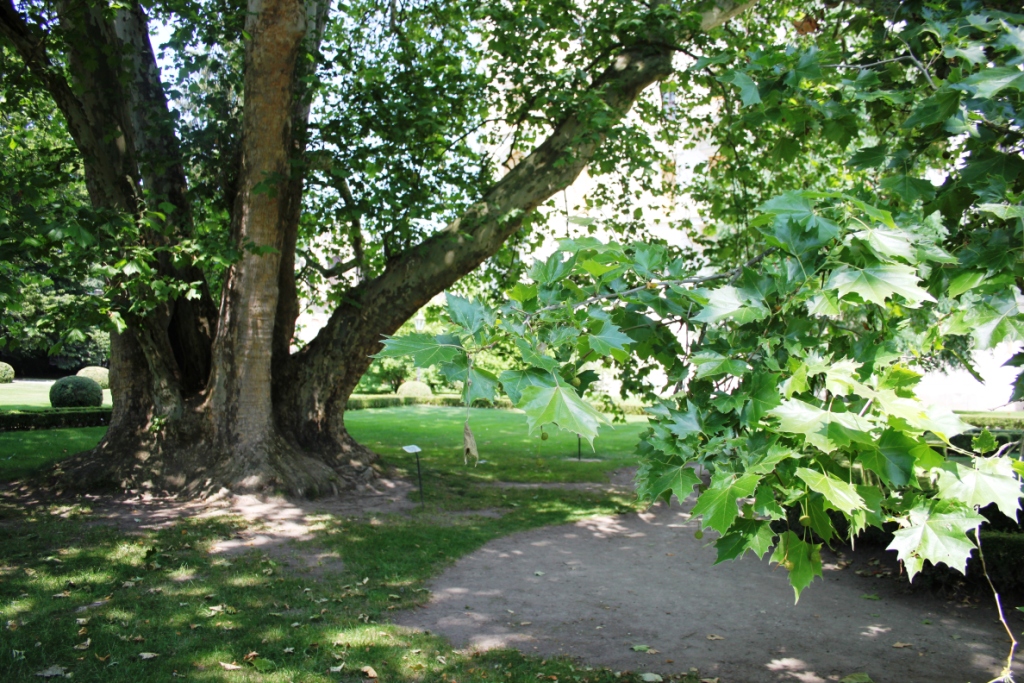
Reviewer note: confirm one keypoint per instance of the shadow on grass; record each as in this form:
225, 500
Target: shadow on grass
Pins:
91, 600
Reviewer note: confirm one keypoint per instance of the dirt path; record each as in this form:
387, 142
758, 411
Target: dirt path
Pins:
596, 588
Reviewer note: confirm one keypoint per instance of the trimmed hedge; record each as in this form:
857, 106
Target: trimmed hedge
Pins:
994, 420
6, 373
414, 388
54, 418
365, 401
76, 392
97, 374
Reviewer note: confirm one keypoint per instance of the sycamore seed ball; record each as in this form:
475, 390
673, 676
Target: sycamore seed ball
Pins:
698, 534
543, 436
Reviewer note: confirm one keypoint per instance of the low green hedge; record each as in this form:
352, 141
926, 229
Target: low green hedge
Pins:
54, 418
994, 419
364, 401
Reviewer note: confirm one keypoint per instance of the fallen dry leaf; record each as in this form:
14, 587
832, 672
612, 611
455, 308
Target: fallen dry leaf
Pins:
289, 650
251, 656
148, 655
714, 636
84, 645
902, 645
368, 670
229, 667
103, 658
53, 672
651, 678
82, 622
337, 669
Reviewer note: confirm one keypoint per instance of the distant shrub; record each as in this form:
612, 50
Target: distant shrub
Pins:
97, 374
6, 373
75, 392
415, 389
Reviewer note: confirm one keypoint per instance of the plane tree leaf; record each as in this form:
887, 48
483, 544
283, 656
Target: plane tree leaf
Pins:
561, 406
937, 532
717, 505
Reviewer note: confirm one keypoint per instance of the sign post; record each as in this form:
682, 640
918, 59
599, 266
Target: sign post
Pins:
419, 472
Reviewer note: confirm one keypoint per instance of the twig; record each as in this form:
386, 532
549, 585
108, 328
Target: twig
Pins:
864, 66
1006, 675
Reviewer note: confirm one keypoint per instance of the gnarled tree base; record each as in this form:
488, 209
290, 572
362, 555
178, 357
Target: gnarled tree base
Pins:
179, 461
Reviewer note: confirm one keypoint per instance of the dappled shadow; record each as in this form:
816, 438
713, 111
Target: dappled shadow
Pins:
605, 584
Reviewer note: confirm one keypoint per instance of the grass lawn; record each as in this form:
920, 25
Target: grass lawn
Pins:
503, 441
88, 598
20, 395
21, 453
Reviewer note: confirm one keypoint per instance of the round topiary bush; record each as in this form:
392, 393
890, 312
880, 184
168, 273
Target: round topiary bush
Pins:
75, 392
97, 374
415, 389
6, 373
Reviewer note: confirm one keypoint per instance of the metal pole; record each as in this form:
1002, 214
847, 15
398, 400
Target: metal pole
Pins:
419, 475
579, 448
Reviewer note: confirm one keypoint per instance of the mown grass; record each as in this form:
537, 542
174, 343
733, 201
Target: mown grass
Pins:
22, 453
507, 451
32, 395
162, 592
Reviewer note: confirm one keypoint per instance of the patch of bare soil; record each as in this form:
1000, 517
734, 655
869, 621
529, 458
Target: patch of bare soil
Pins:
596, 589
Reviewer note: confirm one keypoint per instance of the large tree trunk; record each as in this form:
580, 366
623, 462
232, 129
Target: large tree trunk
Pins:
205, 400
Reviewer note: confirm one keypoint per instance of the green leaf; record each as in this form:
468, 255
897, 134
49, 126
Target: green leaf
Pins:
1000, 318
482, 384
606, 337
909, 189
717, 505
472, 315
598, 269
685, 424
514, 381
936, 532
886, 243
973, 53
560, 405
802, 560
991, 480
838, 493
424, 349
869, 157
531, 356
934, 109
551, 270
762, 391
984, 442
798, 417
1004, 211
893, 460
989, 82
727, 302
748, 89
678, 480
745, 534
841, 377
522, 293
967, 280
878, 283
712, 364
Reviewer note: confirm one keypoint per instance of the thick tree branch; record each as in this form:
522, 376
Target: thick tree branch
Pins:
327, 369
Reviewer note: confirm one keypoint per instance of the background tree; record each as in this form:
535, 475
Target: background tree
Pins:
387, 110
